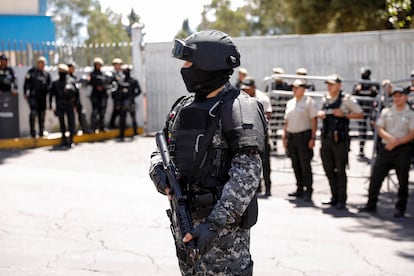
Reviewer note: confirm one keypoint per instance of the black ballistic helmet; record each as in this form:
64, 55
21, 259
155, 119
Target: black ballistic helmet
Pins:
365, 72
210, 50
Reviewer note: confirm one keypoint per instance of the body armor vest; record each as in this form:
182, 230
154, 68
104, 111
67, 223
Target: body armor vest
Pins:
186, 134
332, 123
7, 79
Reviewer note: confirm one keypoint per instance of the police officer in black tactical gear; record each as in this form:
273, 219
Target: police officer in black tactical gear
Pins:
79, 107
134, 90
215, 139
127, 89
65, 92
8, 81
36, 87
337, 109
368, 91
99, 97
116, 76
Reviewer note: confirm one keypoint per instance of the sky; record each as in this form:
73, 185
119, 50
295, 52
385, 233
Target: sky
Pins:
162, 18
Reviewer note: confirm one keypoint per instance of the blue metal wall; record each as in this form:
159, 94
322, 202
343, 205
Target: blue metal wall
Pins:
27, 28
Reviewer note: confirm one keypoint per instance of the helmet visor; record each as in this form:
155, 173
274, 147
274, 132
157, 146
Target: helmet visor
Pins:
181, 50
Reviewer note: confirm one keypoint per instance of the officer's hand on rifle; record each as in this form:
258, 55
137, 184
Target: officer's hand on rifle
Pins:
160, 179
204, 234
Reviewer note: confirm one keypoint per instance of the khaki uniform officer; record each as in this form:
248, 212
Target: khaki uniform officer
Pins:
337, 109
299, 137
396, 129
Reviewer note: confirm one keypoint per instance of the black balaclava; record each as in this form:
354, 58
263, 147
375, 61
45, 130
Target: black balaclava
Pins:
62, 76
203, 82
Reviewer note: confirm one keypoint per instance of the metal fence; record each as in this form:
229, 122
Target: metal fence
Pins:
389, 54
279, 99
26, 53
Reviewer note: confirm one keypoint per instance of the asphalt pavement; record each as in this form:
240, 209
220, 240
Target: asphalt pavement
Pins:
92, 210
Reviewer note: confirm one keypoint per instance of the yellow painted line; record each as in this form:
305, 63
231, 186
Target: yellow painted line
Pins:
28, 143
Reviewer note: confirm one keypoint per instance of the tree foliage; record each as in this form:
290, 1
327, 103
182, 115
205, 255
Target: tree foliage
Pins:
267, 17
185, 30
73, 16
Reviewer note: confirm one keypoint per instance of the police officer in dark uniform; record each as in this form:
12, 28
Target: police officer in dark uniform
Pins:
134, 90
367, 90
65, 92
99, 97
8, 81
127, 90
116, 76
396, 130
222, 190
79, 107
36, 87
337, 109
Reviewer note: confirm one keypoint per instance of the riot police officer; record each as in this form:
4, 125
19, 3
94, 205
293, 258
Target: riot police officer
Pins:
134, 90
99, 97
116, 76
79, 107
222, 189
65, 92
337, 109
8, 81
365, 89
126, 91
396, 130
36, 87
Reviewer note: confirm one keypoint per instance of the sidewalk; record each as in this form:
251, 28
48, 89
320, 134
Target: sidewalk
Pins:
93, 210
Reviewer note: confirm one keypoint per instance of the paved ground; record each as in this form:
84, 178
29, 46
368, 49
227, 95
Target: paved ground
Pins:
92, 210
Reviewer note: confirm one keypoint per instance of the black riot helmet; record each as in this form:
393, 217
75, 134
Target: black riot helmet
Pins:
365, 73
213, 55
210, 50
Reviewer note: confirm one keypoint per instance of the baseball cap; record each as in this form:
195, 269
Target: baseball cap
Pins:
299, 83
301, 71
3, 57
332, 79
247, 82
399, 89
243, 71
278, 70
117, 61
41, 59
63, 68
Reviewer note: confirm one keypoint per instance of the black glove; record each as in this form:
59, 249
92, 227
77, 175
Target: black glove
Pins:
159, 177
204, 234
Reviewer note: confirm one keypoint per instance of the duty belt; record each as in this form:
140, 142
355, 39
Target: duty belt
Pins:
291, 135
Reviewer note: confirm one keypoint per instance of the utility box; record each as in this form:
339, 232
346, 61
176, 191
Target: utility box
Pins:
9, 116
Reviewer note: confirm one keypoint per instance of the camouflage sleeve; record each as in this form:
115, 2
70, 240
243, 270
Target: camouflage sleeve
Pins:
237, 193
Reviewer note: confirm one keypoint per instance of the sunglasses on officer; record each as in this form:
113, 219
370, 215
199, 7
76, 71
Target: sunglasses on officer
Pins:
181, 51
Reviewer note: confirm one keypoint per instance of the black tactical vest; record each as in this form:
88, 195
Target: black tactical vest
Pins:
332, 123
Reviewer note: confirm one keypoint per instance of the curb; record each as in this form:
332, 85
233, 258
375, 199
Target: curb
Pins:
29, 143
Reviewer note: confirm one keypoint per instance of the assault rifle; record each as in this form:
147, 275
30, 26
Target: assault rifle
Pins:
179, 213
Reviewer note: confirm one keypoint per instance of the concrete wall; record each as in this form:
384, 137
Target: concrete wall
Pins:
389, 54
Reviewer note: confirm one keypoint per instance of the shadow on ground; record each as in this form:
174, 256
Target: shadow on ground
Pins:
7, 154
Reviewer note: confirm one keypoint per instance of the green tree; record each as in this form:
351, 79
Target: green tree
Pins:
105, 27
70, 17
400, 13
233, 22
185, 30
